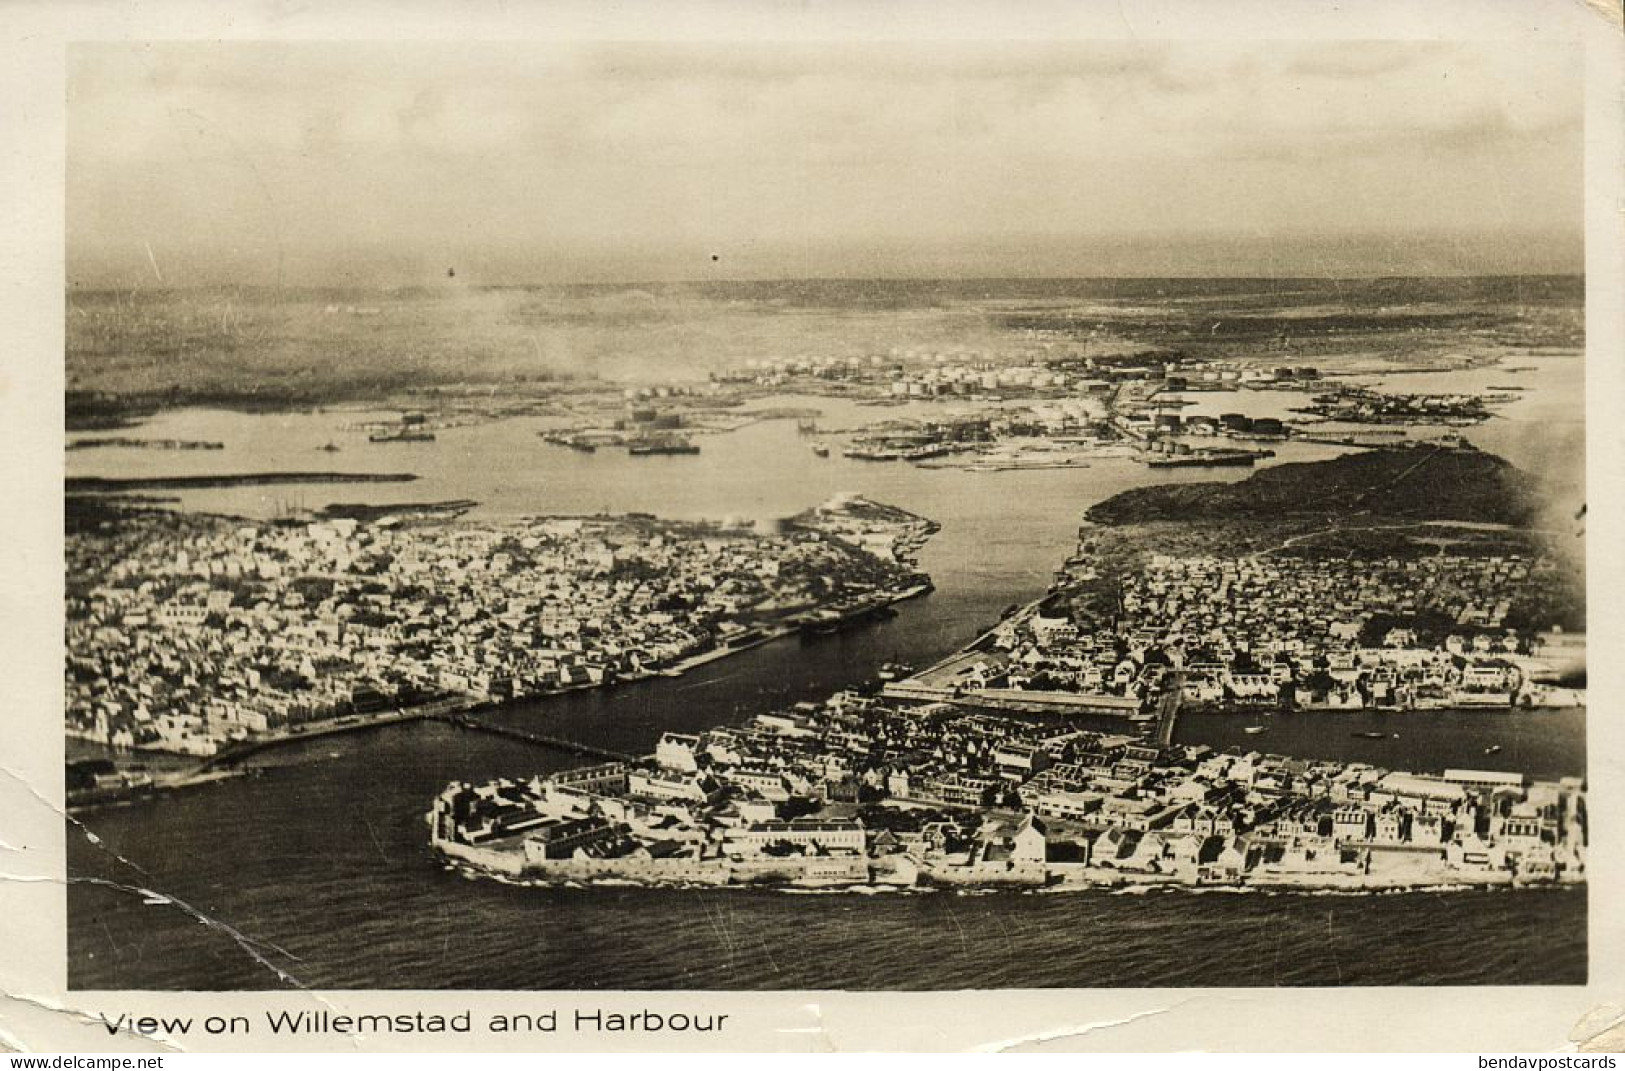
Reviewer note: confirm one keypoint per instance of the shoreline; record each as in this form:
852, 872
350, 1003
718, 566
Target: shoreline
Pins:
440, 709
485, 864
109, 485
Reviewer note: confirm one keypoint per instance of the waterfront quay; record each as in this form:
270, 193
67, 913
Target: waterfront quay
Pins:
210, 637
864, 791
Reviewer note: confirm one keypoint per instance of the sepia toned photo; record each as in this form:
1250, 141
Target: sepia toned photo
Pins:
806, 529
659, 516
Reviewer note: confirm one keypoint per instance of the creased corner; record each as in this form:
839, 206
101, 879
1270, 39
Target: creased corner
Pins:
12, 1039
1602, 1029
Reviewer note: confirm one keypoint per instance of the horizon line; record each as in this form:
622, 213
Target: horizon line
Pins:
71, 287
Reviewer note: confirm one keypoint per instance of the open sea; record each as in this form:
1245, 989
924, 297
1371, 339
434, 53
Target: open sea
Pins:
318, 871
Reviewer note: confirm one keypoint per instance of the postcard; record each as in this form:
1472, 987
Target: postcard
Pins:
1058, 528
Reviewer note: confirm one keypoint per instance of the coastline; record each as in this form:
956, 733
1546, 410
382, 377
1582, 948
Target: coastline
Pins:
511, 867
107, 485
439, 709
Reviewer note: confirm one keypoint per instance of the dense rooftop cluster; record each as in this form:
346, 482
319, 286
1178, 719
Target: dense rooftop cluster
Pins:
1294, 631
864, 789
1041, 372
186, 631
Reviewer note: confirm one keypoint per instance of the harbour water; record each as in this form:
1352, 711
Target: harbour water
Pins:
323, 865
320, 866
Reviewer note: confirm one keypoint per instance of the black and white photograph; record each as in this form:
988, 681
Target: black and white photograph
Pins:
671, 514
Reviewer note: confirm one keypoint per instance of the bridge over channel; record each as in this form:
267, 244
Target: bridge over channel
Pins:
557, 743
1173, 692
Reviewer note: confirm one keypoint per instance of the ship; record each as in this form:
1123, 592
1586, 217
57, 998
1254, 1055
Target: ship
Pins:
821, 449
1254, 730
871, 452
1370, 736
670, 444
402, 436
1492, 749
330, 448
572, 441
1207, 458
836, 618
821, 623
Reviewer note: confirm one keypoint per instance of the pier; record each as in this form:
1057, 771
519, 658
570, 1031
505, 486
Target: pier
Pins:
557, 743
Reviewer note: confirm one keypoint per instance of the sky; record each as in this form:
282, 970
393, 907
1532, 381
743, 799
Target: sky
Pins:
389, 164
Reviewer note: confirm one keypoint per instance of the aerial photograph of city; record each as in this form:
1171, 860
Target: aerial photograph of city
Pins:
781, 517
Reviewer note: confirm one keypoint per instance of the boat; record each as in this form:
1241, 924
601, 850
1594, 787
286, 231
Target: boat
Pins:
672, 444
1492, 749
402, 436
329, 448
1371, 736
821, 623
1254, 730
821, 449
573, 442
872, 453
833, 619
1206, 458
1199, 461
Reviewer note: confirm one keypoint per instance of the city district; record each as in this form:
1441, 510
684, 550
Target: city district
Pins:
866, 792
193, 633
993, 767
